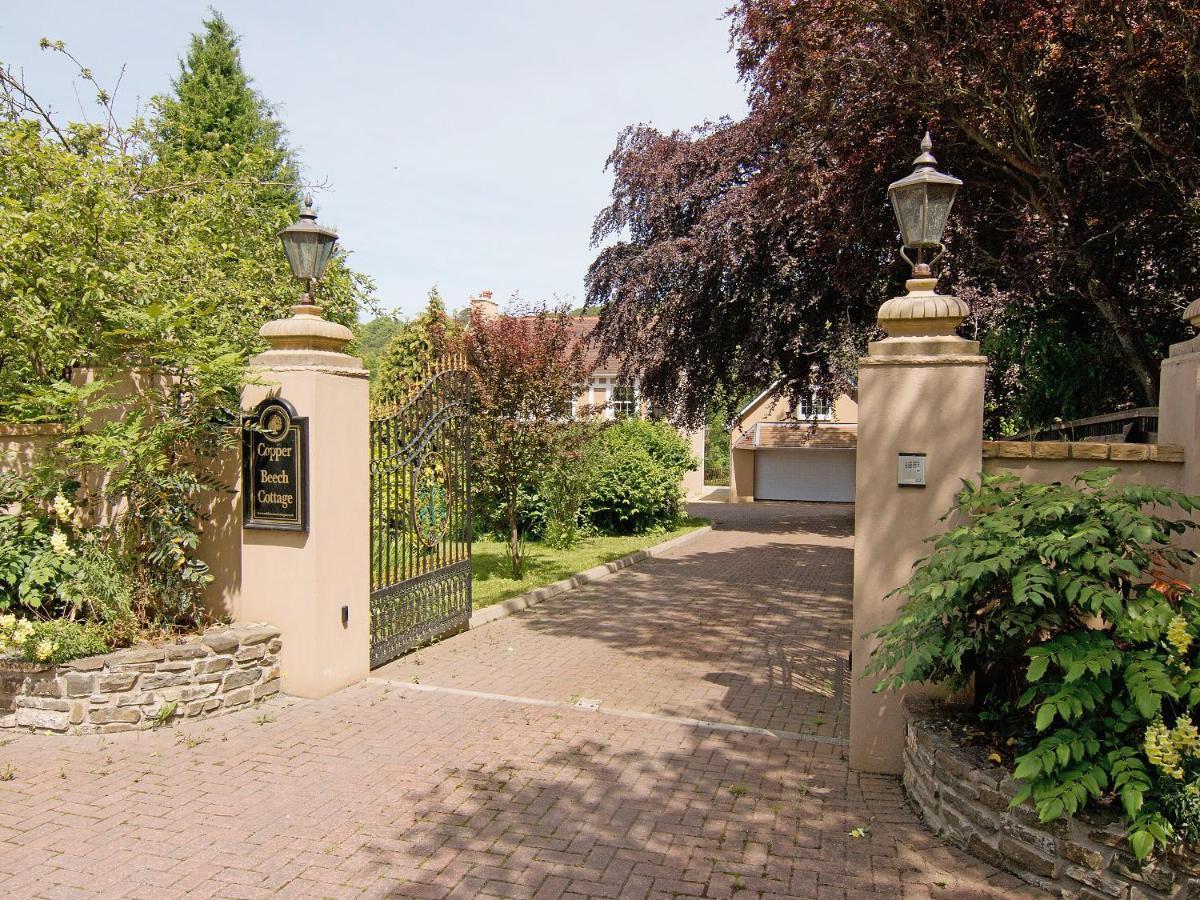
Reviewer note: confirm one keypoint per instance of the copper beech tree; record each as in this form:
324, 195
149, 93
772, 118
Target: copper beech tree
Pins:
526, 369
743, 250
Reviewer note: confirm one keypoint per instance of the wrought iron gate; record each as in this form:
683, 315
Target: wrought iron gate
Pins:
421, 515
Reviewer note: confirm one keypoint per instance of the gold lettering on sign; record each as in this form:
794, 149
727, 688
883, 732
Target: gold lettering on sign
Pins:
284, 500
267, 477
274, 454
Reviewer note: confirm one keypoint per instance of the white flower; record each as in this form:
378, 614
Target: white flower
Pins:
62, 507
60, 545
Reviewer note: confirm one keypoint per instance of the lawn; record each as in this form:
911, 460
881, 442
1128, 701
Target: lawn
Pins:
545, 565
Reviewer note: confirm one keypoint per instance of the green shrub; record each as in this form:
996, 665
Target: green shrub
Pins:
636, 479
661, 441
52, 640
39, 558
566, 485
1059, 604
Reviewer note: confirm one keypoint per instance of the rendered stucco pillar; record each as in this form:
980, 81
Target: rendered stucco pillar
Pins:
919, 391
741, 475
298, 581
1179, 408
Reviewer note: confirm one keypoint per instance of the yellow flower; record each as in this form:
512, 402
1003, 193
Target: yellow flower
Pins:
60, 544
1161, 751
1178, 635
45, 649
62, 507
1185, 738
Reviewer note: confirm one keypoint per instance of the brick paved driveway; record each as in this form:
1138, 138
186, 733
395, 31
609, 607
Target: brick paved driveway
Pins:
714, 766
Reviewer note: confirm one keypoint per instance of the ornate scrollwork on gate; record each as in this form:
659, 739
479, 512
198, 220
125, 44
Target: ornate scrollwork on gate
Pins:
421, 515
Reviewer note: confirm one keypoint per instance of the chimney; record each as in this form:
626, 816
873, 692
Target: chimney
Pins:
485, 306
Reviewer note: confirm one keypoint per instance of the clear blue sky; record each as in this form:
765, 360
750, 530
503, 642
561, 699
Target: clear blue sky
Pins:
463, 143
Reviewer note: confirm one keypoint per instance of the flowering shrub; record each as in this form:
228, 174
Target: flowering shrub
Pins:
62, 593
1059, 605
38, 559
51, 641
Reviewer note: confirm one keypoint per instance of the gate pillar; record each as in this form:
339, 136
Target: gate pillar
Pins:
920, 413
314, 585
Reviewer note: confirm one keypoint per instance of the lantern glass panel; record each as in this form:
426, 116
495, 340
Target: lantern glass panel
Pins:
301, 250
322, 254
909, 205
939, 199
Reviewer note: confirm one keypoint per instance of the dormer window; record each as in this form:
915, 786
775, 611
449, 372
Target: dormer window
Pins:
813, 409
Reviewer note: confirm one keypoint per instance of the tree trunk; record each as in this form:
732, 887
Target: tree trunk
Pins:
514, 535
1133, 348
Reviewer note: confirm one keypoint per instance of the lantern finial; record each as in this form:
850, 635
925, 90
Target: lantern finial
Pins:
926, 160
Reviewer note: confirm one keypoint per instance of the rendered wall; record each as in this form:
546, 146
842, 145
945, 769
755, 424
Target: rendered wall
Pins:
21, 444
693, 482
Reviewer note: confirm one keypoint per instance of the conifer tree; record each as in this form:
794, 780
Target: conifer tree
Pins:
215, 127
415, 346
217, 120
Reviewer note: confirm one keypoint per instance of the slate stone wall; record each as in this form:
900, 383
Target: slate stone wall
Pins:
965, 799
224, 669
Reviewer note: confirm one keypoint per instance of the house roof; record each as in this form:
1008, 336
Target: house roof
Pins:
581, 329
797, 435
759, 399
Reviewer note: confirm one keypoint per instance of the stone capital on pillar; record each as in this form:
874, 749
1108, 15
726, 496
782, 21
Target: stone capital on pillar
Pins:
921, 323
306, 338
315, 586
920, 391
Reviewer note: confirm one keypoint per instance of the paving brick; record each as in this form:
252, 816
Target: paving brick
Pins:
388, 790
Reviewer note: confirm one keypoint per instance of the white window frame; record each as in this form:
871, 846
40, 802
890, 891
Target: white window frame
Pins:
632, 401
808, 410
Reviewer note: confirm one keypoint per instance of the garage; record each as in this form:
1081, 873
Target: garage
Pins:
784, 449
804, 474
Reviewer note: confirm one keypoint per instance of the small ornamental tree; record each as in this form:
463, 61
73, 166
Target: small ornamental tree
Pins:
1060, 605
526, 369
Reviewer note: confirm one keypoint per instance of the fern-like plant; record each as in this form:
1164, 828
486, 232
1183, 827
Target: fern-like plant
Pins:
1062, 606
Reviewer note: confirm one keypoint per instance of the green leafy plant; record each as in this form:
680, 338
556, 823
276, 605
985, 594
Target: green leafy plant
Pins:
164, 715
51, 640
636, 479
565, 487
1058, 604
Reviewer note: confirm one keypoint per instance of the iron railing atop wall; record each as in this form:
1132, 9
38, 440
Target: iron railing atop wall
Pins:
1128, 426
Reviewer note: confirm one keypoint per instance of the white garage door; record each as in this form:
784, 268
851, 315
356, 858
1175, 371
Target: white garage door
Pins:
804, 475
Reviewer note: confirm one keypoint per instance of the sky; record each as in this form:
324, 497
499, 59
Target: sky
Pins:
461, 144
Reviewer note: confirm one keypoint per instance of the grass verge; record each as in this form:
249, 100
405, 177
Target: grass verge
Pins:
492, 581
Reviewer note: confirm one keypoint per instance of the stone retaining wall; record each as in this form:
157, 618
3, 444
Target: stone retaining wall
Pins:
965, 799
224, 669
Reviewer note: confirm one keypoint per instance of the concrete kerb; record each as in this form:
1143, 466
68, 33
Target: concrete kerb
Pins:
507, 607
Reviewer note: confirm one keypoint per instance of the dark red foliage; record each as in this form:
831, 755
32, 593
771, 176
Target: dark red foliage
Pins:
526, 369
763, 247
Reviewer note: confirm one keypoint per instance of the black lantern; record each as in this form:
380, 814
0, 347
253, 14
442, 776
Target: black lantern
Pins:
308, 246
922, 204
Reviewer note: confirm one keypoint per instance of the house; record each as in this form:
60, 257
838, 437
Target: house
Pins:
608, 393
782, 450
